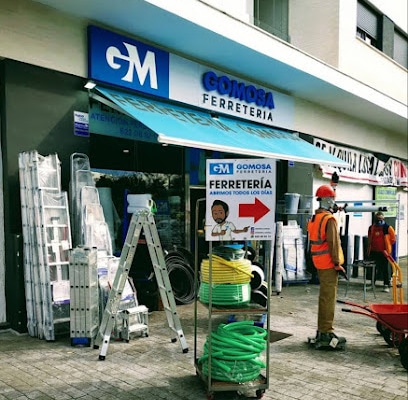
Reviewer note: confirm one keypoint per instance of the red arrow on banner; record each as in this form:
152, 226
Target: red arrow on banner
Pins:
256, 210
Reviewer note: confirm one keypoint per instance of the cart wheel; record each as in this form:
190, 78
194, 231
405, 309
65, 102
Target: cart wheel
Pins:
393, 339
403, 345
380, 327
260, 393
403, 350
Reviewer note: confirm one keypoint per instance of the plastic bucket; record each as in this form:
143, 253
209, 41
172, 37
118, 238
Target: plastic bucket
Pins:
138, 202
291, 203
306, 204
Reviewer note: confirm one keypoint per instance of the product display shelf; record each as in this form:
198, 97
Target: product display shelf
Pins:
217, 315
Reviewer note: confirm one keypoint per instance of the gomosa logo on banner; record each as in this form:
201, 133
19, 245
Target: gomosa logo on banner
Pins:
128, 63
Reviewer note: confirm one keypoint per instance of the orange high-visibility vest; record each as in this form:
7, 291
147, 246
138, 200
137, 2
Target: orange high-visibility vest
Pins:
319, 248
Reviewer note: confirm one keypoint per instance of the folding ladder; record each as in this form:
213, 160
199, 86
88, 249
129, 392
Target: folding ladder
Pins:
142, 220
84, 301
47, 240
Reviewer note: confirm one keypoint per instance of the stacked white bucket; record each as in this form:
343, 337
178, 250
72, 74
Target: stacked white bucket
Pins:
293, 239
296, 203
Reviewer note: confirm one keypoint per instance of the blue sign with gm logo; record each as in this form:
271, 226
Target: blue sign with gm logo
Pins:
221, 168
121, 61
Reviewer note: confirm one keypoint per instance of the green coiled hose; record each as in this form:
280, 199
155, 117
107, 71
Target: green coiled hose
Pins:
225, 295
235, 352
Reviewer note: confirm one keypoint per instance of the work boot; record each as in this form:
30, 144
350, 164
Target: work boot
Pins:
328, 340
312, 339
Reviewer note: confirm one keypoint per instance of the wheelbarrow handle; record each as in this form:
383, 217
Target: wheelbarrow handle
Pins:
346, 310
350, 303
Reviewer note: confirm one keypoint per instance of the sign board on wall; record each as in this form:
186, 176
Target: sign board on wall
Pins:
364, 167
240, 199
387, 193
124, 62
81, 123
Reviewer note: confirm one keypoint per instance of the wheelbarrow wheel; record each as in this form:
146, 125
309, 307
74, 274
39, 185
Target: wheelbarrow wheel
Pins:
380, 327
392, 339
403, 351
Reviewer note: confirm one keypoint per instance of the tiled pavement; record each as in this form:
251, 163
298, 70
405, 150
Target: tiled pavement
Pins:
154, 368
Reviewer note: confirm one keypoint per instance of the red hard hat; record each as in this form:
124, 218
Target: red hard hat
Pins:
325, 191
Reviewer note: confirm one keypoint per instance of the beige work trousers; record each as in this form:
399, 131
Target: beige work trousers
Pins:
327, 299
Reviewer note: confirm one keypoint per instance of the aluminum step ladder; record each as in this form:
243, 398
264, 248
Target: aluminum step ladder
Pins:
141, 220
134, 320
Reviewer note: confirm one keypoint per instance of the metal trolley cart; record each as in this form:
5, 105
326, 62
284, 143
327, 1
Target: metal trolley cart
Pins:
247, 325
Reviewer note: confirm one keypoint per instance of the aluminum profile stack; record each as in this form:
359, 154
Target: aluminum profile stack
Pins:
84, 307
92, 231
88, 220
47, 241
79, 162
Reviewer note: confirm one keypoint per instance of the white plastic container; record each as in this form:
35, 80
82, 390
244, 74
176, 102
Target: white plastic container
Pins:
291, 203
306, 204
138, 202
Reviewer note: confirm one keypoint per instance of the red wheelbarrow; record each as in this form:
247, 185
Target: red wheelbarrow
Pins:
392, 323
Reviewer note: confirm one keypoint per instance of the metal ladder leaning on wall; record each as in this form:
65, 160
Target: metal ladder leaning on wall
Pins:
141, 220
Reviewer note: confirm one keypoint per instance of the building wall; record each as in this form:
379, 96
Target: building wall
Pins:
37, 115
34, 34
327, 30
333, 126
241, 9
364, 62
396, 10
314, 28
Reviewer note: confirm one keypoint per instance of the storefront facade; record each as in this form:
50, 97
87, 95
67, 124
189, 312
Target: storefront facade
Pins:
48, 90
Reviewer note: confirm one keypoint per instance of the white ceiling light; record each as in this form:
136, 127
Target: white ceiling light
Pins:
89, 85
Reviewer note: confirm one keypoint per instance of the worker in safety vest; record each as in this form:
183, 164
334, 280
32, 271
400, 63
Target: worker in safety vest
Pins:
327, 256
381, 236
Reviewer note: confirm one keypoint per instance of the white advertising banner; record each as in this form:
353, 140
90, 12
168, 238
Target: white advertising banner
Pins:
214, 90
128, 63
240, 199
364, 167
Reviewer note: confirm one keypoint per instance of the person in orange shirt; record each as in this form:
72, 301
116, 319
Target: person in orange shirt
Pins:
381, 236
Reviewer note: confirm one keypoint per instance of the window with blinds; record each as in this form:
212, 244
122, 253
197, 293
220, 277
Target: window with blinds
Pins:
273, 16
368, 25
400, 49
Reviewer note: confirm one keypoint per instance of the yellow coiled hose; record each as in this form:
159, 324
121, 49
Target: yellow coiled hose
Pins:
225, 271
